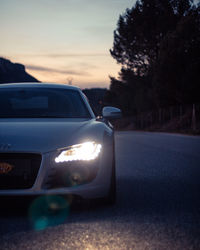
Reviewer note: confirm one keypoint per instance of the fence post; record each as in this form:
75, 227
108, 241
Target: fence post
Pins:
160, 116
181, 112
171, 113
151, 119
193, 118
141, 121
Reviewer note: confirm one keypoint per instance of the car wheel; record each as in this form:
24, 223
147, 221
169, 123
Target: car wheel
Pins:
110, 199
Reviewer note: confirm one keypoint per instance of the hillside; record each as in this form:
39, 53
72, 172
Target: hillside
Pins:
13, 72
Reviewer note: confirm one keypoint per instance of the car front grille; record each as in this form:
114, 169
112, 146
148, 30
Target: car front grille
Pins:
18, 170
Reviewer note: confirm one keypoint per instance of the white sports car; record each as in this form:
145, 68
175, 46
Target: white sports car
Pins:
52, 143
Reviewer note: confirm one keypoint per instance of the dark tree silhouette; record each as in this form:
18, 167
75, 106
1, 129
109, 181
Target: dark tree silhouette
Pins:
140, 31
157, 44
176, 73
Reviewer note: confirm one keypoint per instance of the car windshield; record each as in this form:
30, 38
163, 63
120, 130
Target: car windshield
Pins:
42, 103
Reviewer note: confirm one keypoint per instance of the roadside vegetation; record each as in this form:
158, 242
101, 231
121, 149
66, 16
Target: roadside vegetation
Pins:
157, 44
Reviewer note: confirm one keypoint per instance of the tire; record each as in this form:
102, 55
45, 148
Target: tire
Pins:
110, 199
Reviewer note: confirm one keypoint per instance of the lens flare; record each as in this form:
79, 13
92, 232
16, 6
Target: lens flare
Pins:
47, 211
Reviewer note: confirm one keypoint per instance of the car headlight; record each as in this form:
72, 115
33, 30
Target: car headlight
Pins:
85, 151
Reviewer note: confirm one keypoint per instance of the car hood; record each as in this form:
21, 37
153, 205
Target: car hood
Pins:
45, 135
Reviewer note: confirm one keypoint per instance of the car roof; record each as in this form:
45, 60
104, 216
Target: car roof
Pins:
38, 85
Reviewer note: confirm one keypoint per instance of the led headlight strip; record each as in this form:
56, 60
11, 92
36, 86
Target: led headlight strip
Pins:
81, 152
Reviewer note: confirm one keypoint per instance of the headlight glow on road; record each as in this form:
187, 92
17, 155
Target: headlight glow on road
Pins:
81, 152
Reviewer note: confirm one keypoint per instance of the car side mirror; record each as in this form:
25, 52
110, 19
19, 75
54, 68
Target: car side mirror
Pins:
111, 112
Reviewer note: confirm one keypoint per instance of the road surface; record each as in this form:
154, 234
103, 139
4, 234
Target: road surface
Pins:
158, 203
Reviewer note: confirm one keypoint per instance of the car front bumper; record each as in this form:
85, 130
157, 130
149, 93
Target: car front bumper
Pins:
94, 186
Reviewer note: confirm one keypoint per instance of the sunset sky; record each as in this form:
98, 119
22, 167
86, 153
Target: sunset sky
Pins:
62, 40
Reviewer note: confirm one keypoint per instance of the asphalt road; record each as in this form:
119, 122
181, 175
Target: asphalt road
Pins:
158, 203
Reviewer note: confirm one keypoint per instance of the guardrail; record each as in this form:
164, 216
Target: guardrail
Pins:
182, 118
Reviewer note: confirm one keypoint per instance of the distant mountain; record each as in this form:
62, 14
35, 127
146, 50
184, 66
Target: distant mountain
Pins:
13, 72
